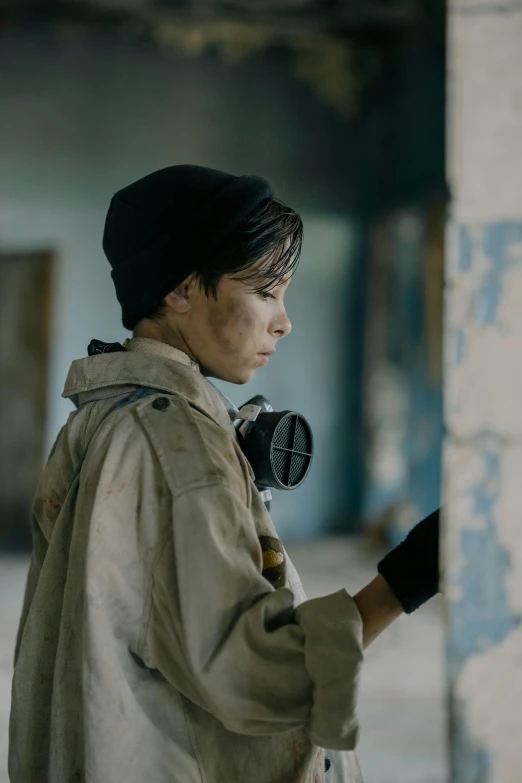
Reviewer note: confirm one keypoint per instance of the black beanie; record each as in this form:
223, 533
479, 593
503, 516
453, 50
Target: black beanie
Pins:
166, 225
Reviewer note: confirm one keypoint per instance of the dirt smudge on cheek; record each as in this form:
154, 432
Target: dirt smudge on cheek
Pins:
233, 326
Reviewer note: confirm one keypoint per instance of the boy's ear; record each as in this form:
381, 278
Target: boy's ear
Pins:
179, 299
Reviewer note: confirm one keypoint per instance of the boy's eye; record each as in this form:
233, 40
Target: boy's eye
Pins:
266, 295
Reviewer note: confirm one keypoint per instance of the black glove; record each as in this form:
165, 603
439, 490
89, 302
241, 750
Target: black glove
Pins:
412, 568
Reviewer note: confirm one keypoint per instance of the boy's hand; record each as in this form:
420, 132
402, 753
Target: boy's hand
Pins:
378, 607
408, 577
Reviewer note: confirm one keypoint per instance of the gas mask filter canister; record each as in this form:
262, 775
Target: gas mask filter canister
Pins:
278, 445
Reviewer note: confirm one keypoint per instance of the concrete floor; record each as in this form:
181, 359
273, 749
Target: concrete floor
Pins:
401, 706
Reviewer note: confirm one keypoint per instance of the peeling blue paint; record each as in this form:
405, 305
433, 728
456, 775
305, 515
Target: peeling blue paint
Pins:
465, 249
496, 245
482, 616
495, 242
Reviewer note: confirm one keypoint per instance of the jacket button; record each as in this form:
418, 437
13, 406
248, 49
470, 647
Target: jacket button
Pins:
327, 764
161, 404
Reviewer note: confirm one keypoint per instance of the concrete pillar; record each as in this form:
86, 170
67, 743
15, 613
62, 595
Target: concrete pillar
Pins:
482, 544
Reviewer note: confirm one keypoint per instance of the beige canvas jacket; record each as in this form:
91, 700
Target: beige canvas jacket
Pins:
154, 645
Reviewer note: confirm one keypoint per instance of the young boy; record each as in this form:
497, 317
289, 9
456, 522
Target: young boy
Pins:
153, 645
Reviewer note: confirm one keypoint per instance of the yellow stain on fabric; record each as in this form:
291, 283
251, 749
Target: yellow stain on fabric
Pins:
272, 559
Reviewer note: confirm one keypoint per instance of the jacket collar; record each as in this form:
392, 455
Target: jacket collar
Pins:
157, 348
146, 363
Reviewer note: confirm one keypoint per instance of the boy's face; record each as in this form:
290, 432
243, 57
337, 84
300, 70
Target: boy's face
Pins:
230, 337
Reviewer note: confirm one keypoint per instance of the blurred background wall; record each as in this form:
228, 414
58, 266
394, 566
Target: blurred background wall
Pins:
86, 114
343, 110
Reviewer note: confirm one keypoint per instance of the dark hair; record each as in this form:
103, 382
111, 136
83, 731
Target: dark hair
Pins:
263, 235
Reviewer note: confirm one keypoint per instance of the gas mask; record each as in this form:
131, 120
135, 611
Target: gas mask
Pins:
278, 445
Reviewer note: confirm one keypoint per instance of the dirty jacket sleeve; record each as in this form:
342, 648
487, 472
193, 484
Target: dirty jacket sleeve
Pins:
217, 630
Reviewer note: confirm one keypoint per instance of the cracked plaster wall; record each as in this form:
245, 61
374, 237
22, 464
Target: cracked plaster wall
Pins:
482, 545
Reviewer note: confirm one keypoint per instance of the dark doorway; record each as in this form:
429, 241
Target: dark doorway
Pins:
25, 294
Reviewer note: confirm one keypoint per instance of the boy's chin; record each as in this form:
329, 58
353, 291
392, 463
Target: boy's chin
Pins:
239, 376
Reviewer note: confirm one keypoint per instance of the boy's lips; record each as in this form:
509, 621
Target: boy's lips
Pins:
265, 356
